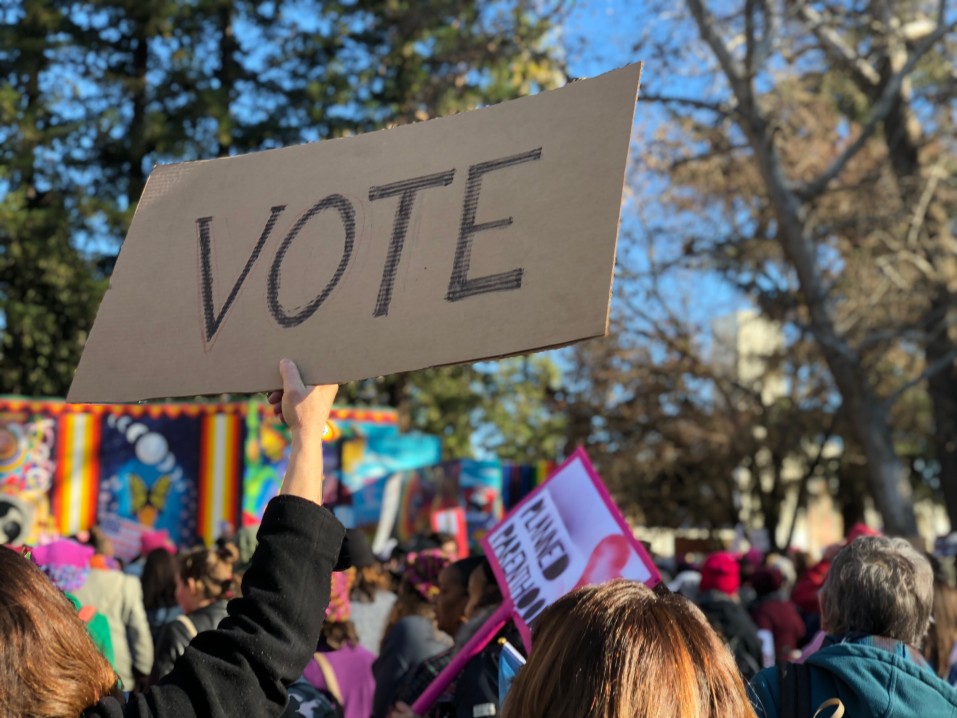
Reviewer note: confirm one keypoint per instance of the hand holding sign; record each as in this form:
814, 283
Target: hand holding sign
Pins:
306, 410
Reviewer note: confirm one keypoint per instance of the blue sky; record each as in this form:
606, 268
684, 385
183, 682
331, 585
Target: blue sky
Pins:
598, 36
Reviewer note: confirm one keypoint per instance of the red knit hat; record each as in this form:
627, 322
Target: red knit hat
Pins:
720, 571
860, 529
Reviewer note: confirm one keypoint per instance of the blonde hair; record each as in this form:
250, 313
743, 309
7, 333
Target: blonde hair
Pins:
619, 650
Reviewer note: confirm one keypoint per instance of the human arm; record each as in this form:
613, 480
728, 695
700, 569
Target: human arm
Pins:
306, 410
269, 636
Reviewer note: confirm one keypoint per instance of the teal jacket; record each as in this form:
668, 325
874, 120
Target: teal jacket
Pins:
873, 678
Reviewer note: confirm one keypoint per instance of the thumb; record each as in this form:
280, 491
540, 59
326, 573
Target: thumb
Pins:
291, 380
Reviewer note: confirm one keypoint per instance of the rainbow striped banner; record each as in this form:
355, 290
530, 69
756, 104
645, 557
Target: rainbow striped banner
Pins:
220, 474
77, 475
174, 466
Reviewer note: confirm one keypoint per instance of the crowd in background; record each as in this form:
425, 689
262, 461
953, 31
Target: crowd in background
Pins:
394, 622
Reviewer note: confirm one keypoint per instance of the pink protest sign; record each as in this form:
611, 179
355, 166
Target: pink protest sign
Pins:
567, 533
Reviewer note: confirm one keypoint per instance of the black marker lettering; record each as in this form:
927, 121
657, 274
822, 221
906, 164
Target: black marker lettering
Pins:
213, 320
532, 613
408, 189
348, 216
460, 286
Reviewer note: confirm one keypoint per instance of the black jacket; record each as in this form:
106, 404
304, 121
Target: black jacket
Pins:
243, 667
174, 637
734, 625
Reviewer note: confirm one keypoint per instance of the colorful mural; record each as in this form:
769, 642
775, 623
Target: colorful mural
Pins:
27, 465
267, 452
199, 470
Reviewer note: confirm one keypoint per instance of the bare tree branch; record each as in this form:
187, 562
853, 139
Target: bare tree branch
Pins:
944, 362
889, 97
732, 69
864, 74
723, 109
802, 487
920, 212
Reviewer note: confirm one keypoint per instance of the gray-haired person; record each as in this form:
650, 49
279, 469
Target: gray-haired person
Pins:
875, 607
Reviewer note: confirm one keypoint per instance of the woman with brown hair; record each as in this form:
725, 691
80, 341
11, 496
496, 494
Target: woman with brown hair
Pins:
204, 584
50, 668
411, 634
372, 598
620, 650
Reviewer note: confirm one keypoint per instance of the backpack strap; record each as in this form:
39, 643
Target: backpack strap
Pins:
329, 676
834, 703
87, 613
190, 626
795, 684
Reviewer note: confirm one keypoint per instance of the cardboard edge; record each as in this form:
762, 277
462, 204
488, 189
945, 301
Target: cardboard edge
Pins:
72, 397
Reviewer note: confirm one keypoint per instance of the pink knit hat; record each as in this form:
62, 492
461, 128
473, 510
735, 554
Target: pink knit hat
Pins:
720, 571
152, 540
66, 562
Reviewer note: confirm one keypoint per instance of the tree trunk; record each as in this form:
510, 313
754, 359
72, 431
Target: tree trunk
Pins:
942, 387
868, 417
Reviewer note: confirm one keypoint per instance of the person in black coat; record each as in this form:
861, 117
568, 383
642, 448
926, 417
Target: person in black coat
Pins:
242, 667
718, 601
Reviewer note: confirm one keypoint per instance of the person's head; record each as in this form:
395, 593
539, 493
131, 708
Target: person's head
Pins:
101, 543
49, 666
942, 635
205, 576
484, 591
454, 594
619, 650
159, 579
766, 580
721, 572
421, 577
66, 562
446, 543
152, 540
878, 586
338, 629
418, 587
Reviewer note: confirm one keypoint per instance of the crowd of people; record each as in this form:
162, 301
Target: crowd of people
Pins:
311, 623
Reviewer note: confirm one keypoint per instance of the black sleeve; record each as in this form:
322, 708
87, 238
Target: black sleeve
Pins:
242, 668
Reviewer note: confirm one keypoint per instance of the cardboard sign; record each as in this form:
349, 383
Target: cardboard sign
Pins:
566, 534
476, 236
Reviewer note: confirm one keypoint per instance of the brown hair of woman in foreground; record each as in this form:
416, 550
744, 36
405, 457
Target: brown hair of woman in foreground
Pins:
620, 650
49, 667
